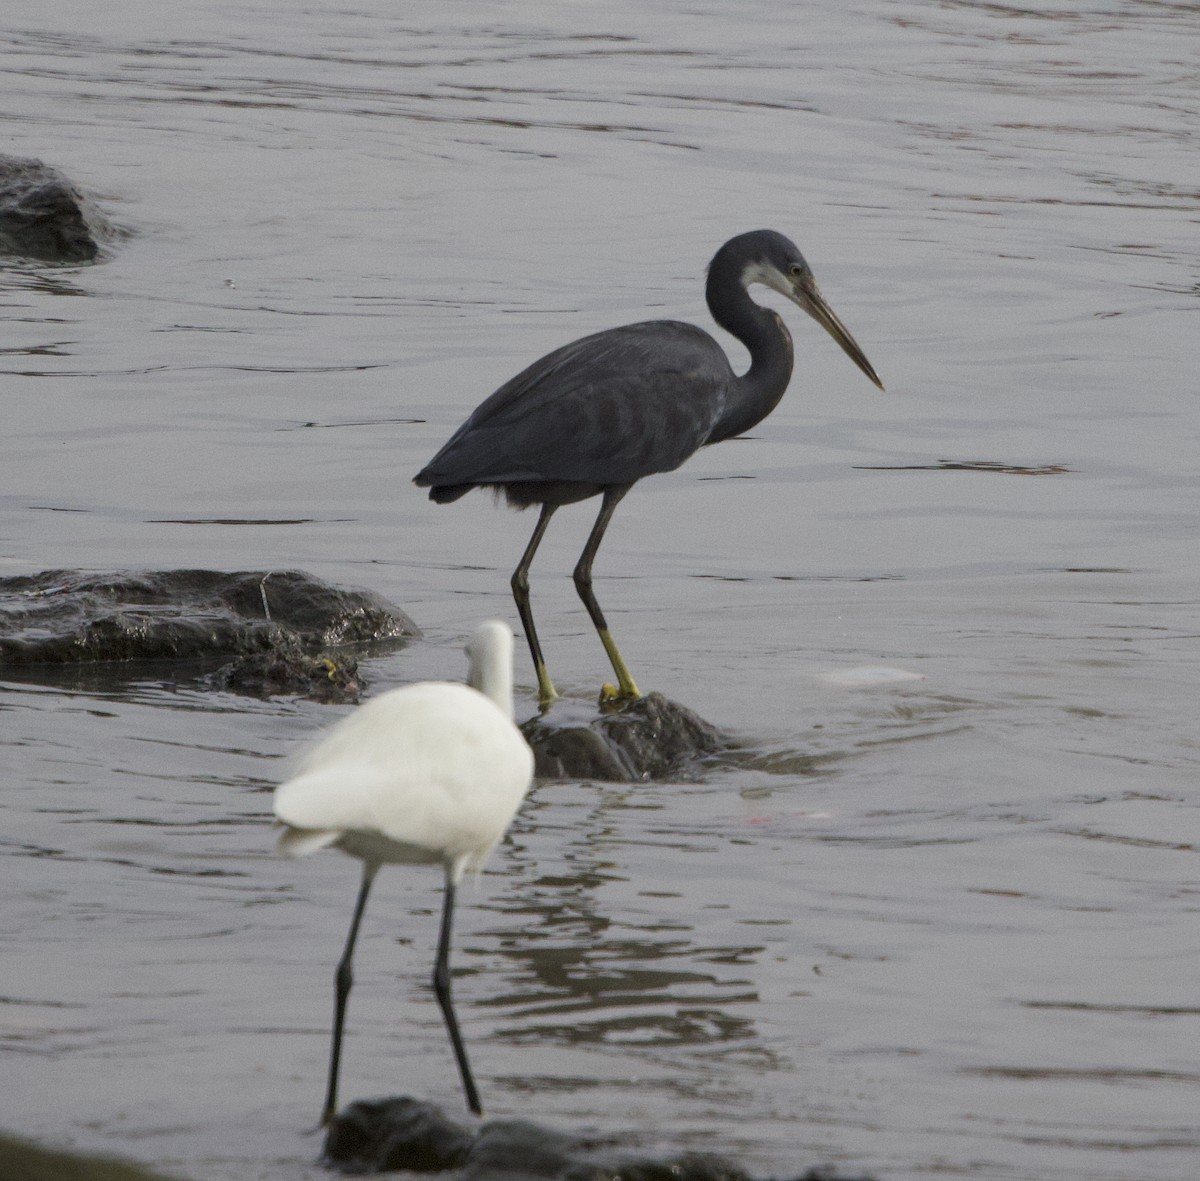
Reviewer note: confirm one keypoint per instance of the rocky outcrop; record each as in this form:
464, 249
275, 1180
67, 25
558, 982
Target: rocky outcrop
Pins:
650, 738
272, 632
44, 216
391, 1135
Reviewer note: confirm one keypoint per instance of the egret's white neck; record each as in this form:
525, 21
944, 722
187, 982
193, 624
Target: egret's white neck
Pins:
490, 671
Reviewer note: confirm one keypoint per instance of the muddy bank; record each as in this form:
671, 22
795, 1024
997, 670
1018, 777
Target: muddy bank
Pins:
22, 1161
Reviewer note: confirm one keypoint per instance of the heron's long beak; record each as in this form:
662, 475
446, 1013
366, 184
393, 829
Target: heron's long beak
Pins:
806, 294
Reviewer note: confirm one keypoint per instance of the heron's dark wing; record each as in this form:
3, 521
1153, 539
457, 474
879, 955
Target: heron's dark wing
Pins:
606, 409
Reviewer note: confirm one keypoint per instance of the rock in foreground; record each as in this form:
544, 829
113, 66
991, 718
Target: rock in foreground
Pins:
390, 1135
44, 216
278, 627
650, 738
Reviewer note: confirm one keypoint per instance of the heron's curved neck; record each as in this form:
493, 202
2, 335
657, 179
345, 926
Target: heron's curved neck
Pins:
757, 392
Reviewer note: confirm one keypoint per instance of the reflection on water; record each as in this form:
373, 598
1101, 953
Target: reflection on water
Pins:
937, 922
972, 465
575, 978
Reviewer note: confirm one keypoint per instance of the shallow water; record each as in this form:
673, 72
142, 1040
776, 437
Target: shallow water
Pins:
944, 925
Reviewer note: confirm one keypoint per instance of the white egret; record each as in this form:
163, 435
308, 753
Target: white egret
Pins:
430, 773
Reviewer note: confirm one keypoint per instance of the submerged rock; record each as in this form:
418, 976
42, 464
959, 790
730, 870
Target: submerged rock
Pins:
289, 669
278, 625
402, 1134
392, 1134
650, 738
44, 216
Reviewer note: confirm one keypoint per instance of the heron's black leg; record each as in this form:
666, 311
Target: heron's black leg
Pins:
520, 589
343, 979
583, 584
441, 987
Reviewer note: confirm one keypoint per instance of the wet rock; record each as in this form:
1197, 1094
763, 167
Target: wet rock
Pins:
280, 626
514, 1150
290, 669
401, 1134
650, 738
44, 216
392, 1134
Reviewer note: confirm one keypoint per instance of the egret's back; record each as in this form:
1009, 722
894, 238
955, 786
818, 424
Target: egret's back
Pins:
436, 770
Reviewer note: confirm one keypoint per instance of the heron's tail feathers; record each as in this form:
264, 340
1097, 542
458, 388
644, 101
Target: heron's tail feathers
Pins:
445, 493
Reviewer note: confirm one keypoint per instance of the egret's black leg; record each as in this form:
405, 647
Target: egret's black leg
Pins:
441, 987
343, 979
626, 689
520, 589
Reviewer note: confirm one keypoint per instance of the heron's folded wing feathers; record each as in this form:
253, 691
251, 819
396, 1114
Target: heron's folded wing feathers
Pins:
609, 408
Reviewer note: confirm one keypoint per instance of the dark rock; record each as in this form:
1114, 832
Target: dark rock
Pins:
650, 738
388, 1135
68, 615
289, 668
391, 1135
694, 1167
44, 216
279, 626
519, 1150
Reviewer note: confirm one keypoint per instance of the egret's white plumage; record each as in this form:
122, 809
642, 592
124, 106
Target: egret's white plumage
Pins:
434, 768
430, 773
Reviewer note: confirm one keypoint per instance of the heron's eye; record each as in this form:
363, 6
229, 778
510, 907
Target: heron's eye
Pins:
795, 270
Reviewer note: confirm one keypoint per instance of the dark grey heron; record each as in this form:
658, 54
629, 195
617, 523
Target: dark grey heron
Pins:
595, 416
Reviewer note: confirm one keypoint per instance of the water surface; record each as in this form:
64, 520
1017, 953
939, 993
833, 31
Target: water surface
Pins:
943, 924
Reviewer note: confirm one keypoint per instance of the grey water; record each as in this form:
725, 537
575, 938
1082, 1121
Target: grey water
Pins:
946, 922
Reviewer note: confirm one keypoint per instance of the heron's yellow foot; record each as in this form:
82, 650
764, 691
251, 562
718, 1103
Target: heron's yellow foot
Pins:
547, 694
611, 695
625, 689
